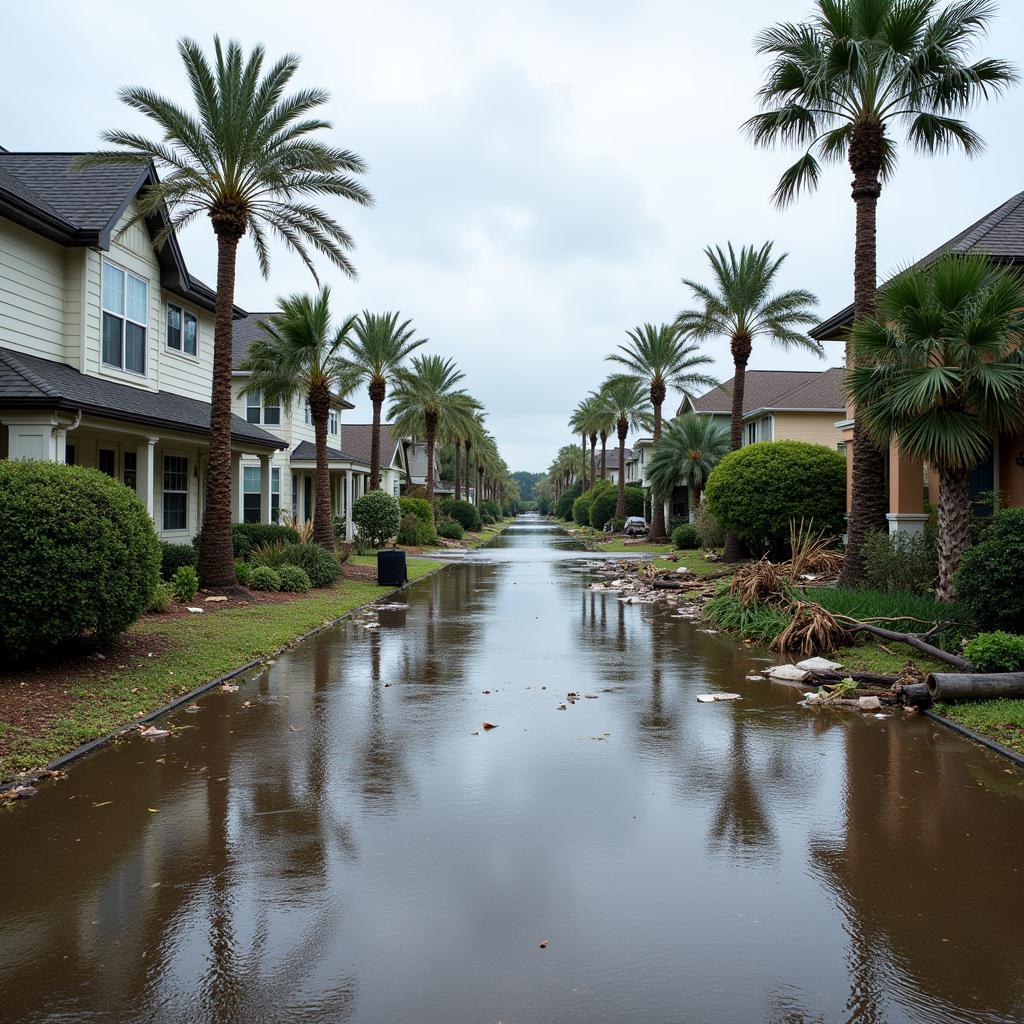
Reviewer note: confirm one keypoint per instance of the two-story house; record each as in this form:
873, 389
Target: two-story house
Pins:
106, 342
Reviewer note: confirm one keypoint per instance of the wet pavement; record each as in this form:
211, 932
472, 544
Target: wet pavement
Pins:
353, 846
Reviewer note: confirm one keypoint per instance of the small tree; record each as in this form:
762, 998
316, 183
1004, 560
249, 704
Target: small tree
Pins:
688, 451
378, 516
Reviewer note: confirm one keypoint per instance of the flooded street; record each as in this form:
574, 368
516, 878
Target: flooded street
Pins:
353, 846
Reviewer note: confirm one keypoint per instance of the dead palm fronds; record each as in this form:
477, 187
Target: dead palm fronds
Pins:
760, 582
811, 552
812, 630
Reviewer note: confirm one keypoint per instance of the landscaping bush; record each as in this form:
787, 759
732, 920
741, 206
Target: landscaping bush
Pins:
684, 537
321, 566
488, 519
756, 491
161, 599
408, 531
708, 528
618, 525
78, 555
259, 534
463, 512
581, 509
173, 556
264, 578
996, 652
988, 583
544, 506
900, 562
243, 570
269, 554
421, 511
185, 583
377, 516
634, 500
451, 529
492, 509
294, 579
602, 508
563, 507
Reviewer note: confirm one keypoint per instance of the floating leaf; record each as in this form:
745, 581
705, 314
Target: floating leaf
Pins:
487, 726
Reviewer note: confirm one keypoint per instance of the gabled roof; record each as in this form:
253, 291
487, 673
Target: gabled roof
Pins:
305, 451
358, 438
777, 390
612, 457
46, 194
30, 382
999, 235
244, 331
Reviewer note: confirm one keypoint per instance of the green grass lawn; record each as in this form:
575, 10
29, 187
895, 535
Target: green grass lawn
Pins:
999, 720
692, 559
187, 652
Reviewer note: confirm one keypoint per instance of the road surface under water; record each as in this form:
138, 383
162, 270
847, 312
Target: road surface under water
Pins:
353, 846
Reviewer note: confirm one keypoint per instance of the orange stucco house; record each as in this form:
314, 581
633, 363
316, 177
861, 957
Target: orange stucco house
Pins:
1000, 236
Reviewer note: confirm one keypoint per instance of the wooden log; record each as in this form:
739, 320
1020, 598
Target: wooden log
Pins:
915, 695
976, 686
879, 678
911, 639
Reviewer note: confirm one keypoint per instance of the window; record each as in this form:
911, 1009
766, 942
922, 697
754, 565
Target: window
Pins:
106, 461
130, 472
250, 494
275, 495
69, 454
332, 422
272, 414
751, 433
309, 415
182, 330
125, 301
175, 492
254, 407
295, 498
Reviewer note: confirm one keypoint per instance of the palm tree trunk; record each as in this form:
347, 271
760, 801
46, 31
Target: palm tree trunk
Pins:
593, 459
458, 479
377, 392
479, 482
583, 466
604, 455
431, 419
620, 501
320, 409
954, 527
469, 448
741, 348
216, 561
657, 533
867, 494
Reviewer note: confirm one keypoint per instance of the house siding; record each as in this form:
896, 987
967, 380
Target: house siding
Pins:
32, 310
815, 427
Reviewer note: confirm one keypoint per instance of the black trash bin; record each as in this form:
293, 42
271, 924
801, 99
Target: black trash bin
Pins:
391, 570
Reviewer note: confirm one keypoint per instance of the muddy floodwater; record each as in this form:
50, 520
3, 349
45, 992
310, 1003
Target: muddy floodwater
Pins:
341, 840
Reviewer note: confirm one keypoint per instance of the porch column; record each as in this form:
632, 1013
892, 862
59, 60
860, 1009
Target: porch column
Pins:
265, 516
349, 532
906, 494
236, 487
145, 474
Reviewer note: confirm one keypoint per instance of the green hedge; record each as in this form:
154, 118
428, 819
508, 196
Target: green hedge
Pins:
174, 556
321, 566
463, 512
996, 652
420, 509
755, 492
78, 556
581, 509
988, 583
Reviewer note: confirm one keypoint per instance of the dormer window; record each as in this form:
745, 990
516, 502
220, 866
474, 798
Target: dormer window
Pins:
182, 330
125, 305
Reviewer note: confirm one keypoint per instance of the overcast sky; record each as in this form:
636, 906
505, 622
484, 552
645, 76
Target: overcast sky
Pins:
544, 172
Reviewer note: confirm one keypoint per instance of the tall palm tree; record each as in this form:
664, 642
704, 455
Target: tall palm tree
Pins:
659, 356
246, 159
377, 347
458, 425
578, 424
940, 371
840, 85
632, 404
423, 397
742, 306
689, 449
474, 434
592, 419
301, 356
604, 421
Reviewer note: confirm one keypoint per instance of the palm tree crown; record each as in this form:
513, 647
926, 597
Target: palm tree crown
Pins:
632, 404
300, 357
940, 372
690, 447
378, 345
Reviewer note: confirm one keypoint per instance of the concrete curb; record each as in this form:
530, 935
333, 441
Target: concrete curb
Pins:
977, 737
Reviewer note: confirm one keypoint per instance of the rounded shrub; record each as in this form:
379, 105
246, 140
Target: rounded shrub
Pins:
463, 512
162, 598
581, 509
174, 556
78, 556
563, 507
618, 525
451, 529
294, 579
264, 578
633, 497
408, 531
243, 570
420, 510
377, 516
988, 583
684, 537
996, 652
492, 509
602, 508
756, 491
321, 566
185, 583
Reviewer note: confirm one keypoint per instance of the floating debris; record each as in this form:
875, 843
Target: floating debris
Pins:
487, 726
151, 732
18, 793
710, 698
229, 687
192, 709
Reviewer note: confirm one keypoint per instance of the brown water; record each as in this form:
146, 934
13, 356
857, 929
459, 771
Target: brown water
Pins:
353, 847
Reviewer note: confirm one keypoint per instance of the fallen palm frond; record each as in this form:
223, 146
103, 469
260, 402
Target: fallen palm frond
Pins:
811, 630
812, 553
760, 582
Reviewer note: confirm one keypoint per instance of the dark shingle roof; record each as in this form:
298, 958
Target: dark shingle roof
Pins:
999, 234
778, 389
32, 382
358, 438
305, 451
612, 457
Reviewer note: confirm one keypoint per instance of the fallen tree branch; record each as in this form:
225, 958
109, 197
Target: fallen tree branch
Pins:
911, 639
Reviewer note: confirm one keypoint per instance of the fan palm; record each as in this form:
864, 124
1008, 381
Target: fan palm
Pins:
660, 356
690, 447
424, 397
940, 372
839, 85
245, 159
742, 307
377, 347
300, 356
632, 404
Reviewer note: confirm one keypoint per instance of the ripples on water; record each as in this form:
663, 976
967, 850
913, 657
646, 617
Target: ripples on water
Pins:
353, 847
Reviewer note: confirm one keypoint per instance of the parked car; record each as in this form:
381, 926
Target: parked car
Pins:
635, 526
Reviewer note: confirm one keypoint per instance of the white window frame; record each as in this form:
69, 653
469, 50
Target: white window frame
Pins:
164, 491
180, 348
254, 401
125, 319
332, 422
275, 492
252, 473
